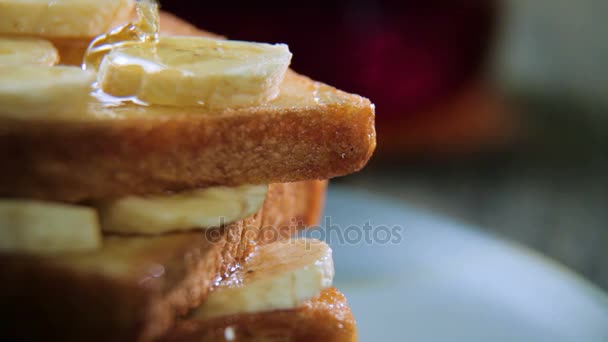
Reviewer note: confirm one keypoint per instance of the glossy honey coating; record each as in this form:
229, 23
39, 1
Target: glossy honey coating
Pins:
326, 318
144, 29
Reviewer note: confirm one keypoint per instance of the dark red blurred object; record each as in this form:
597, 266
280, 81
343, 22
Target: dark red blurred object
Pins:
405, 56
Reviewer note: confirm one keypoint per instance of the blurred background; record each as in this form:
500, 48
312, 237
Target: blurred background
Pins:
491, 113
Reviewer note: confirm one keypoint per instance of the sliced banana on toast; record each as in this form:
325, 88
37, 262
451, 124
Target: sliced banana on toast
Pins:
180, 71
204, 208
28, 226
62, 18
26, 50
39, 91
280, 275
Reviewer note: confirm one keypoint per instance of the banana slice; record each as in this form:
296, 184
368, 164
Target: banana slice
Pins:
40, 227
22, 50
144, 30
62, 18
280, 275
180, 71
37, 91
205, 208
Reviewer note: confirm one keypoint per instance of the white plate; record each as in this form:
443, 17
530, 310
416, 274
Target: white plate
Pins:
445, 281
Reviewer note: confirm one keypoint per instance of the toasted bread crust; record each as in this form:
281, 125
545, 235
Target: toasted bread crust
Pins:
311, 131
75, 161
324, 318
134, 286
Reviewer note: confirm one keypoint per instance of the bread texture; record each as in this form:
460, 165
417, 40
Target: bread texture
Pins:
311, 131
326, 317
134, 287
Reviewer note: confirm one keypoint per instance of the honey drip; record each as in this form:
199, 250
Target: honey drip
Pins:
144, 30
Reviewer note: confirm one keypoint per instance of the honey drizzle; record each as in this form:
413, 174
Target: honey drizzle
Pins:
144, 30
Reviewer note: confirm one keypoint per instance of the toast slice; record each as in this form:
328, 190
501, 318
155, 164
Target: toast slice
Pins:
326, 317
134, 287
311, 131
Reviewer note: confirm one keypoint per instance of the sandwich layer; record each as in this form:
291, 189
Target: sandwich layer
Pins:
134, 287
326, 317
279, 275
310, 131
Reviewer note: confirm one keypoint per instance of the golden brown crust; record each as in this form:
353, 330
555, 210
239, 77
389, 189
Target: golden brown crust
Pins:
134, 286
308, 196
324, 318
74, 161
311, 131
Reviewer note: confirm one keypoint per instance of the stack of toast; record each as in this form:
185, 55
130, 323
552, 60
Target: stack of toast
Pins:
154, 269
